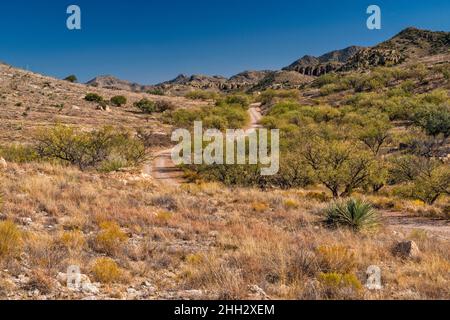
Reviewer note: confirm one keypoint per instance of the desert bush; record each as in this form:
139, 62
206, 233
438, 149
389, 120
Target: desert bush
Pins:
424, 179
182, 117
269, 96
213, 117
44, 250
110, 238
72, 78
340, 166
353, 213
73, 240
146, 106
406, 168
417, 142
153, 139
259, 207
290, 204
163, 106
118, 101
335, 258
89, 149
270, 122
18, 153
374, 132
10, 239
378, 176
41, 281
434, 119
93, 97
201, 95
106, 270
237, 99
167, 202
329, 89
329, 78
156, 92
340, 285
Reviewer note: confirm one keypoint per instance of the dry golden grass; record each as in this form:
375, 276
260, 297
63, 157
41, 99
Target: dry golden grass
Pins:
10, 239
204, 237
106, 270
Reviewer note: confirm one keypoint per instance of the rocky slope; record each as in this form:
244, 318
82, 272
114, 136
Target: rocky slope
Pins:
317, 66
409, 45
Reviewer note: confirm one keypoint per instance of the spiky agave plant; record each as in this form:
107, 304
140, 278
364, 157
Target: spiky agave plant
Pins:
354, 213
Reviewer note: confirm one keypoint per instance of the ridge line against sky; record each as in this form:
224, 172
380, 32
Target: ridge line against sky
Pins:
152, 41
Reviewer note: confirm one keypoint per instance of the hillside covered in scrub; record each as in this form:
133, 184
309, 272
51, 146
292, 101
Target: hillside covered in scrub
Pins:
364, 180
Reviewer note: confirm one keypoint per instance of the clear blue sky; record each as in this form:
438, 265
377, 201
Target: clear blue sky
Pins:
149, 41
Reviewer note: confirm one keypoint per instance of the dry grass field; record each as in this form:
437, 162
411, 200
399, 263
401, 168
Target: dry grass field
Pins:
134, 237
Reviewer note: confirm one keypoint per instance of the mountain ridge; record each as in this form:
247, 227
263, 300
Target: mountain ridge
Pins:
409, 44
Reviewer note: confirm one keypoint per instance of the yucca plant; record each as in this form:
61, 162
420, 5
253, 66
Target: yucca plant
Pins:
354, 213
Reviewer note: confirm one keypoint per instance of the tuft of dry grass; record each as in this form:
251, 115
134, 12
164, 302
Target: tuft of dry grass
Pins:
213, 241
110, 238
10, 239
106, 270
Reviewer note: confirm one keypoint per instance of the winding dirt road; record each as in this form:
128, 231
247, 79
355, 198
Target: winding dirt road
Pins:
162, 168
166, 173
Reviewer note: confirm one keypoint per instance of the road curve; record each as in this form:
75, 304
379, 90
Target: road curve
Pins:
164, 171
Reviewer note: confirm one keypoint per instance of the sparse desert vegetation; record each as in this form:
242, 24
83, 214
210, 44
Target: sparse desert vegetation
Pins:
364, 181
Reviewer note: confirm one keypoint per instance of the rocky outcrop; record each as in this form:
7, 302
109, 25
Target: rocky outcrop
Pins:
409, 44
369, 58
183, 83
111, 82
282, 80
329, 62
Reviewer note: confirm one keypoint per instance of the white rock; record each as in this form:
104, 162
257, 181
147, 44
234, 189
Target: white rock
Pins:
89, 288
258, 293
3, 163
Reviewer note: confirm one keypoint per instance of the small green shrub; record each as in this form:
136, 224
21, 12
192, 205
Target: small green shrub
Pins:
354, 213
72, 78
118, 101
336, 281
89, 149
269, 96
434, 119
239, 99
156, 92
163, 106
93, 97
18, 153
201, 95
146, 106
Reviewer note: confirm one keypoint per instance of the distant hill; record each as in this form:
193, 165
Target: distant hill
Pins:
183, 83
111, 82
317, 66
409, 45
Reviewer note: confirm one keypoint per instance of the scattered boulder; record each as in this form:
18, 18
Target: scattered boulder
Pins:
406, 250
85, 285
256, 293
